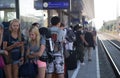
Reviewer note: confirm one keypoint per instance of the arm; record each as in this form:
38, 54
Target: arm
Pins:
83, 39
4, 46
5, 42
29, 54
16, 44
10, 47
22, 52
22, 49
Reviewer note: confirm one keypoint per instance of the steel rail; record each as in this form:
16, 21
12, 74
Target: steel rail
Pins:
115, 68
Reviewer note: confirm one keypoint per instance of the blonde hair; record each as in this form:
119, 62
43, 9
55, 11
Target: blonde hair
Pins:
10, 27
37, 33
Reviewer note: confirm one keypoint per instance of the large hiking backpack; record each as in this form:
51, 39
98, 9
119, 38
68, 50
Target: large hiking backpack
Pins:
70, 35
48, 54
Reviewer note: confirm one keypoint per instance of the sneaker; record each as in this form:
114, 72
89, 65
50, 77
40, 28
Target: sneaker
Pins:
83, 64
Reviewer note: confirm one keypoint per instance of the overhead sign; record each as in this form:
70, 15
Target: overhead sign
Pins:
55, 5
52, 4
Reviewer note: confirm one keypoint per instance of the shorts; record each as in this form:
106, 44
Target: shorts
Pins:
41, 63
56, 66
16, 62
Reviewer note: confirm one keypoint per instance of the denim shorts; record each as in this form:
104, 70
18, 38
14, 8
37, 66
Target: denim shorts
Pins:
16, 62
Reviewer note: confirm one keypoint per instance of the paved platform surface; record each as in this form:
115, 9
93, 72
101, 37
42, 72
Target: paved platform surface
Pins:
89, 70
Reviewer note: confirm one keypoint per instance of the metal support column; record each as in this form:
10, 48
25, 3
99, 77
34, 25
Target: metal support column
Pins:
17, 9
69, 17
83, 20
48, 11
69, 11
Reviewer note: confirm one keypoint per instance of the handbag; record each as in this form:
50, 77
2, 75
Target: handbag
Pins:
2, 64
7, 59
71, 61
28, 69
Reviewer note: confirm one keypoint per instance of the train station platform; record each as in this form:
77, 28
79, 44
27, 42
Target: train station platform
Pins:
89, 70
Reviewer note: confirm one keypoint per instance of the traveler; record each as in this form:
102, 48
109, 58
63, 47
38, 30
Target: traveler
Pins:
90, 40
79, 44
14, 44
36, 47
57, 65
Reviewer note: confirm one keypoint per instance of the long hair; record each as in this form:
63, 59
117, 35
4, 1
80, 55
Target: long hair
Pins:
11, 30
37, 33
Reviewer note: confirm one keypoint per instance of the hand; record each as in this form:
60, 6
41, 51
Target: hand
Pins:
86, 44
18, 44
6, 52
21, 60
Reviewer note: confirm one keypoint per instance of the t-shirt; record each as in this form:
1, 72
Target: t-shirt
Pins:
89, 38
78, 38
59, 32
36, 48
15, 52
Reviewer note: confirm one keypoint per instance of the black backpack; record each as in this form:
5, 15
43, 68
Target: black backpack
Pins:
70, 35
48, 54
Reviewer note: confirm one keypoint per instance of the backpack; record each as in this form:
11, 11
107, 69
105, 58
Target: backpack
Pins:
45, 32
48, 54
70, 35
56, 43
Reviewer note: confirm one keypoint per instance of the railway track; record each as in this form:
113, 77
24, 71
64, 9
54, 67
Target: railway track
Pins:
112, 51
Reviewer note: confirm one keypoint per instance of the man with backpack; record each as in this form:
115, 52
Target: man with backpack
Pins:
79, 44
57, 65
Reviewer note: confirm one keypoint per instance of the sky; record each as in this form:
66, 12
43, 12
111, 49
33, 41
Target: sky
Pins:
105, 10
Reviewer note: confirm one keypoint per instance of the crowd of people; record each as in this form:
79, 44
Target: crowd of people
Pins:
17, 48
